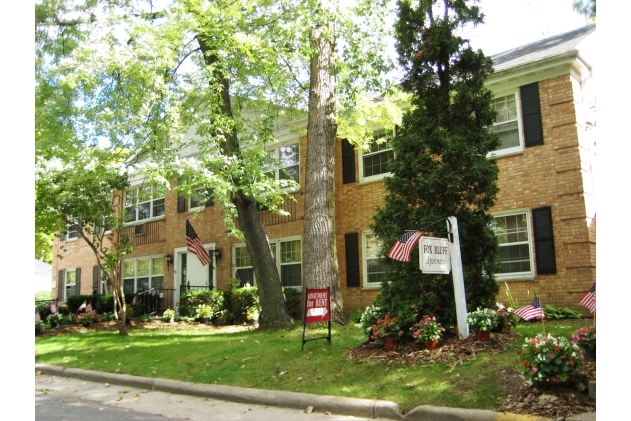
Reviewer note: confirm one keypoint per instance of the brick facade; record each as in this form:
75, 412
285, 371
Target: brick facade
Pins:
557, 174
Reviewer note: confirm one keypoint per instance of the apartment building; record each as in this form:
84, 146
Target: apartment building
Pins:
545, 213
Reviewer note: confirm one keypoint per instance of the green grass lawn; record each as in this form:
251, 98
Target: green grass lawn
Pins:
274, 360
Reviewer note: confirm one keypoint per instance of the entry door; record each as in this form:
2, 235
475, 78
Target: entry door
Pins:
194, 274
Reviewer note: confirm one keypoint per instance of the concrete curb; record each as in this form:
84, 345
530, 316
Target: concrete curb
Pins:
335, 404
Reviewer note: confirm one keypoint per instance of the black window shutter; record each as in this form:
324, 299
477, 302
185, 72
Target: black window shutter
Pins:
544, 241
181, 202
95, 279
348, 162
60, 286
210, 201
351, 241
78, 272
531, 114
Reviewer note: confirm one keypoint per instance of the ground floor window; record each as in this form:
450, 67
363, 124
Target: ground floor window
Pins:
515, 244
71, 283
288, 255
143, 273
374, 266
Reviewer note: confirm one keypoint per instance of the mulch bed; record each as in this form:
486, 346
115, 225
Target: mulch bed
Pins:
556, 401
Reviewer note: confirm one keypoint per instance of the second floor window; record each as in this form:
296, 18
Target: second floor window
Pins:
143, 202
507, 125
374, 162
285, 161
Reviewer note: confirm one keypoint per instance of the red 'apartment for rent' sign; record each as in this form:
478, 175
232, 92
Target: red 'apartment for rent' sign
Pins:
318, 306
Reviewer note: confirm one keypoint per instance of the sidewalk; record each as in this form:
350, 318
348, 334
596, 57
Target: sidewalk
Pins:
334, 404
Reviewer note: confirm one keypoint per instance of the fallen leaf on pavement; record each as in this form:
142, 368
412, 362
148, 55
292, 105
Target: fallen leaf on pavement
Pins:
309, 409
120, 398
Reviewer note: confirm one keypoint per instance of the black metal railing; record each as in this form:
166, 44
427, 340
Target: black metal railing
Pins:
154, 301
189, 287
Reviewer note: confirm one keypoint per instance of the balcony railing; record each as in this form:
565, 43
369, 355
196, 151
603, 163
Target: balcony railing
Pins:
146, 233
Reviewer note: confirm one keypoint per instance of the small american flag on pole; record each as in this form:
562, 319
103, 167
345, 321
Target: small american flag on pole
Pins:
531, 311
589, 300
53, 308
83, 306
402, 249
37, 316
88, 307
195, 246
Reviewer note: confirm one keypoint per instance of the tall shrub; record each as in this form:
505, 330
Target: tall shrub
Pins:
440, 166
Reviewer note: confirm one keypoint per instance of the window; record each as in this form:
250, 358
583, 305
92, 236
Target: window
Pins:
142, 274
515, 248
507, 126
71, 283
374, 162
196, 201
284, 163
288, 256
144, 202
244, 271
72, 232
374, 265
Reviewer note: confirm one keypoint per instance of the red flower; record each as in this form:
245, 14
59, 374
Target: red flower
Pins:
551, 356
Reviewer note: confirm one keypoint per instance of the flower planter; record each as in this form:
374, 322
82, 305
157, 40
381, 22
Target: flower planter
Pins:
483, 335
431, 344
390, 343
589, 354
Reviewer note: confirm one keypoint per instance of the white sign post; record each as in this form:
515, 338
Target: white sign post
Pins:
458, 278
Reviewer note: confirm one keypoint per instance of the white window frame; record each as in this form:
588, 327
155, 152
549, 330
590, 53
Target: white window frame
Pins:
378, 134
70, 229
66, 271
152, 217
276, 247
274, 152
201, 202
369, 257
527, 275
514, 149
150, 275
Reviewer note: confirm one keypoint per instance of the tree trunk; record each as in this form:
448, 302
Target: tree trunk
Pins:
274, 311
120, 308
320, 261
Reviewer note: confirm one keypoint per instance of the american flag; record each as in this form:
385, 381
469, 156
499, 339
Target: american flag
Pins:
195, 246
531, 311
402, 249
83, 306
589, 300
37, 316
134, 300
89, 307
53, 308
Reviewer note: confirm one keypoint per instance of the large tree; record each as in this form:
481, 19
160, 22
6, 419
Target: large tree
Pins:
440, 166
141, 78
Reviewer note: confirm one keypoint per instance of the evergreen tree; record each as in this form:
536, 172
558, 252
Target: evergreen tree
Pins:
440, 166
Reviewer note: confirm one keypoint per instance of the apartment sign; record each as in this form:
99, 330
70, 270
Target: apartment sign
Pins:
318, 306
434, 255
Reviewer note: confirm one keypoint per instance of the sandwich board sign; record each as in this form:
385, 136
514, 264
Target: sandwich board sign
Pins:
434, 255
317, 309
